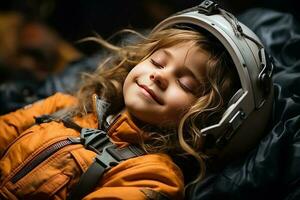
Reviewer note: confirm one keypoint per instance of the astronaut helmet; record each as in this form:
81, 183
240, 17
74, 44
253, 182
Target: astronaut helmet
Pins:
247, 114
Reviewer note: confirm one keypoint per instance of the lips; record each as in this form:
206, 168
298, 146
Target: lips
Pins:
152, 94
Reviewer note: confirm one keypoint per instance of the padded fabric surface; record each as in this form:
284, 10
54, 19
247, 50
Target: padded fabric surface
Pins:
272, 169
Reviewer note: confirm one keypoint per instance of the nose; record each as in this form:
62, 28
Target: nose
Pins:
159, 79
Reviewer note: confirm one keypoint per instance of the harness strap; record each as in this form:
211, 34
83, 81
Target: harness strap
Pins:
111, 156
66, 121
108, 155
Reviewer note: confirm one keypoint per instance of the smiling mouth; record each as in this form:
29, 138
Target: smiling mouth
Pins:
151, 93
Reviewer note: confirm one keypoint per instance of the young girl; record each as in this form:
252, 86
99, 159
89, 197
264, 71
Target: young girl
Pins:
161, 91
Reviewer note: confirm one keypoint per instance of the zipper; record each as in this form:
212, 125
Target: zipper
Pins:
28, 167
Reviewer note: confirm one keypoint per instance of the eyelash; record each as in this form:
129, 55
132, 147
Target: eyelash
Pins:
156, 64
185, 88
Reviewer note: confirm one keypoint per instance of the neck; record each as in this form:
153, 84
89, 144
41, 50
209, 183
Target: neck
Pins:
135, 120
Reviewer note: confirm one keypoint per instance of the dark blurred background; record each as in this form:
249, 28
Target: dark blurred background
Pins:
38, 38
73, 20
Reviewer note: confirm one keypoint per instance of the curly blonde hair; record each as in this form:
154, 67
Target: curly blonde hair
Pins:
220, 83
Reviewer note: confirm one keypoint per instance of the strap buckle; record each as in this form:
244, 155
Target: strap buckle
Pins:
108, 158
112, 155
94, 139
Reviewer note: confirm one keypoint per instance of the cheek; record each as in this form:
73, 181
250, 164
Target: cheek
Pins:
179, 103
139, 70
130, 78
126, 85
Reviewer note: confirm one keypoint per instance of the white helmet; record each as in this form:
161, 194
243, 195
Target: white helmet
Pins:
246, 117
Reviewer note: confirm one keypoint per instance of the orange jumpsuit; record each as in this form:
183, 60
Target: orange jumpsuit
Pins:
22, 143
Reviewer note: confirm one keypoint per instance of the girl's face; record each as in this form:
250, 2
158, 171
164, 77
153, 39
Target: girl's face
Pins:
160, 89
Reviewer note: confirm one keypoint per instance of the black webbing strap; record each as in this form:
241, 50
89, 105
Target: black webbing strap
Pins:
66, 121
111, 156
108, 155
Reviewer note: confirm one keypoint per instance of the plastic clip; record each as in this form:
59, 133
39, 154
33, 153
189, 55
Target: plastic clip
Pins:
94, 139
108, 159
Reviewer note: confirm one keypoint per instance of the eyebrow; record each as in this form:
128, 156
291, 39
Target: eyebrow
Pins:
188, 70
168, 53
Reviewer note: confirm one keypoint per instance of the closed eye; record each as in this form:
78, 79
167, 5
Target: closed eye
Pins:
185, 87
156, 64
